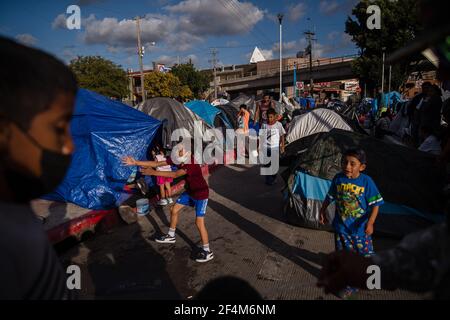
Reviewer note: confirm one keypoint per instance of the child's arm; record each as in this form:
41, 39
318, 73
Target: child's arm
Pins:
130, 161
322, 215
256, 117
282, 144
371, 222
166, 174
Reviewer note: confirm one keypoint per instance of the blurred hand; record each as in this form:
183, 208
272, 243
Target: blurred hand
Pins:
369, 229
129, 161
323, 218
342, 269
147, 171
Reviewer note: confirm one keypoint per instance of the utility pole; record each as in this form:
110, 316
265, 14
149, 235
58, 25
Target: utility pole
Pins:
280, 19
140, 54
310, 38
214, 62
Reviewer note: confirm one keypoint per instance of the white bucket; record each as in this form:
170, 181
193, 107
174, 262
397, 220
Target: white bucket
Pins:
143, 207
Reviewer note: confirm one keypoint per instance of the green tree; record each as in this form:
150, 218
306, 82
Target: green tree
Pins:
197, 81
399, 25
100, 75
160, 84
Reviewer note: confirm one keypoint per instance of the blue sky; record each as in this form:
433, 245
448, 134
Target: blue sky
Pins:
181, 29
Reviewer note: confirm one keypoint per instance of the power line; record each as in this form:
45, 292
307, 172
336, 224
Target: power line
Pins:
237, 10
229, 7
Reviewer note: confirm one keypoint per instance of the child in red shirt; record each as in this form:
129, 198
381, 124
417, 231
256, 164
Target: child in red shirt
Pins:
196, 195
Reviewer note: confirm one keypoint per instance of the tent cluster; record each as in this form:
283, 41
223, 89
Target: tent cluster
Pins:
104, 131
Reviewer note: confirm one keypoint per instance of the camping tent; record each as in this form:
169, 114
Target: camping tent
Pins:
409, 181
209, 113
220, 102
231, 113
174, 116
315, 121
247, 100
103, 131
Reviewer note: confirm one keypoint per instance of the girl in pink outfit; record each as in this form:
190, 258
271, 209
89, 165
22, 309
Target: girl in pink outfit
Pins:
163, 183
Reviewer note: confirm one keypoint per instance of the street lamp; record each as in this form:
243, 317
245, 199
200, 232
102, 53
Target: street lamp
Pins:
280, 19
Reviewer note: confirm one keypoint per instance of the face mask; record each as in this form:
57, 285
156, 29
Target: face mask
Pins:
183, 159
53, 166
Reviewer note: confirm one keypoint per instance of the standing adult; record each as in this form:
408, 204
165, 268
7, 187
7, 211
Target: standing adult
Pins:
261, 109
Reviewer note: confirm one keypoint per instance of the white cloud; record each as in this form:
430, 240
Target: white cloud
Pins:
60, 22
216, 17
26, 39
296, 12
329, 7
333, 35
287, 46
185, 25
267, 54
232, 43
172, 60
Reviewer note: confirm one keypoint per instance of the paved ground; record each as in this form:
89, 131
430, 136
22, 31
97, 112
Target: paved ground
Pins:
247, 235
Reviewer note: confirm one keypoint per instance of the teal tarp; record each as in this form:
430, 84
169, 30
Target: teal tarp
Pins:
207, 112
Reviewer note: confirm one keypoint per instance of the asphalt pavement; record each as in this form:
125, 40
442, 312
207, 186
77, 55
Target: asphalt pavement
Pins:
248, 236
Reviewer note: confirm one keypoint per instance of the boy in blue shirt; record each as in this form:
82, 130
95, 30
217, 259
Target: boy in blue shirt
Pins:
357, 202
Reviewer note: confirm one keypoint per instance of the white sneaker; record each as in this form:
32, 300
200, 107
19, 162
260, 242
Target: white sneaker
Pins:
169, 200
162, 202
204, 256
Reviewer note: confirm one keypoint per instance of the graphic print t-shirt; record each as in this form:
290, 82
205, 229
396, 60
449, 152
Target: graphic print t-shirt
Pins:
354, 200
274, 133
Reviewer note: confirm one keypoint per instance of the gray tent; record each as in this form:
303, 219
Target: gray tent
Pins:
247, 100
174, 116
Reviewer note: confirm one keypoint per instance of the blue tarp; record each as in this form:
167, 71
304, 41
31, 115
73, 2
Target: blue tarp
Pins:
391, 98
207, 112
103, 131
306, 102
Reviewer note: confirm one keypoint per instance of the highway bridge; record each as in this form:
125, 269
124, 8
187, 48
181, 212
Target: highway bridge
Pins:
323, 70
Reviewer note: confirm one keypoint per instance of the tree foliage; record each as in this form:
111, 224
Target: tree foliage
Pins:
399, 25
100, 75
160, 84
197, 81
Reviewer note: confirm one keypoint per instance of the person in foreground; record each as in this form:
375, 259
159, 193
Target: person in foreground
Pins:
357, 202
37, 93
196, 195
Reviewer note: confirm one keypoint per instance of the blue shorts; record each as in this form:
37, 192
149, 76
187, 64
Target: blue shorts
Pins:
359, 244
200, 205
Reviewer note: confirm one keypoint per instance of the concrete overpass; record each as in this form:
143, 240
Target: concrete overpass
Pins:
332, 69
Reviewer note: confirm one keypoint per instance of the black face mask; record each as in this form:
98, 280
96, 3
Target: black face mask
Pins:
53, 166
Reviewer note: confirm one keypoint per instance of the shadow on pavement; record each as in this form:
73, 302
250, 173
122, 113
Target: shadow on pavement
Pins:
123, 265
296, 255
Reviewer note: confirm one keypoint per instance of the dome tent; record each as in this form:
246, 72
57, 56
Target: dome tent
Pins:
173, 115
315, 121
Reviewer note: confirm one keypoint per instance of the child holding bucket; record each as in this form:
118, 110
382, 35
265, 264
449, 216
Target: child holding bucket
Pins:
163, 182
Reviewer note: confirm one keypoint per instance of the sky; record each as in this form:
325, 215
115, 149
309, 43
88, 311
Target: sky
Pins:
173, 31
